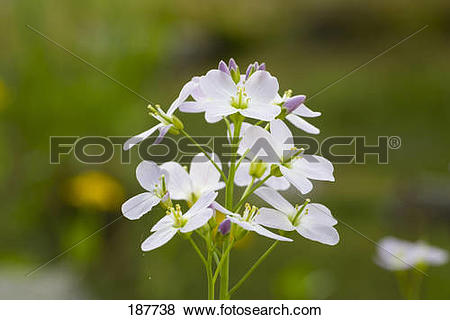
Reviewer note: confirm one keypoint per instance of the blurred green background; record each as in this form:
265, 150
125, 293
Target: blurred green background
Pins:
155, 47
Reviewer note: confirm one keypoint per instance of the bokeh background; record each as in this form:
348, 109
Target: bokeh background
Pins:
155, 47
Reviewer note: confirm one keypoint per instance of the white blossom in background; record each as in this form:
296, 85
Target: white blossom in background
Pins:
276, 147
196, 217
202, 178
248, 221
313, 221
397, 254
154, 180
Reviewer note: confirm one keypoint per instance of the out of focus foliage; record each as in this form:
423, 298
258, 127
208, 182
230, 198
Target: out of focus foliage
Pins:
154, 47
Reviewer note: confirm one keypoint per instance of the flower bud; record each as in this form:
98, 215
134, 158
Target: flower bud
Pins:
275, 171
257, 169
294, 102
173, 130
262, 66
232, 65
225, 227
177, 123
249, 71
223, 67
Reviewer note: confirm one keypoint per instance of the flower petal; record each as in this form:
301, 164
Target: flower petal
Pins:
275, 199
185, 92
218, 207
269, 234
162, 132
137, 206
281, 133
148, 174
278, 183
163, 223
217, 85
242, 177
314, 167
179, 185
320, 233
297, 179
198, 220
138, 138
203, 202
216, 110
158, 239
243, 224
261, 144
260, 111
318, 214
204, 175
261, 86
191, 107
274, 219
244, 126
304, 111
302, 124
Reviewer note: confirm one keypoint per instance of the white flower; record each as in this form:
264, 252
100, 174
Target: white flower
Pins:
277, 148
166, 119
243, 178
295, 109
153, 179
197, 216
248, 221
220, 96
311, 220
203, 177
396, 254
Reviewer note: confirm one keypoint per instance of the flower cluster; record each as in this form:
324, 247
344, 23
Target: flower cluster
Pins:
264, 159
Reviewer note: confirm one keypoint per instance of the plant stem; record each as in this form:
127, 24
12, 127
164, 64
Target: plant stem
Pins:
224, 177
209, 270
219, 265
250, 271
224, 270
198, 251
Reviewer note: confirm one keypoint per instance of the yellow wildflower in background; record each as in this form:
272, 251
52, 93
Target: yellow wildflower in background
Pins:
95, 190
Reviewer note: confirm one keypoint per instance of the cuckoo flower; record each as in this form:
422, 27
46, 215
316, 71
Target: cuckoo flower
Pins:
154, 180
248, 221
225, 93
202, 178
293, 109
396, 254
196, 217
167, 120
248, 169
311, 220
276, 147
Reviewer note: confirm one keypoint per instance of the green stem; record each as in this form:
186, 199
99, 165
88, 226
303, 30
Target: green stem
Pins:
209, 272
198, 251
221, 262
225, 268
224, 177
250, 271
